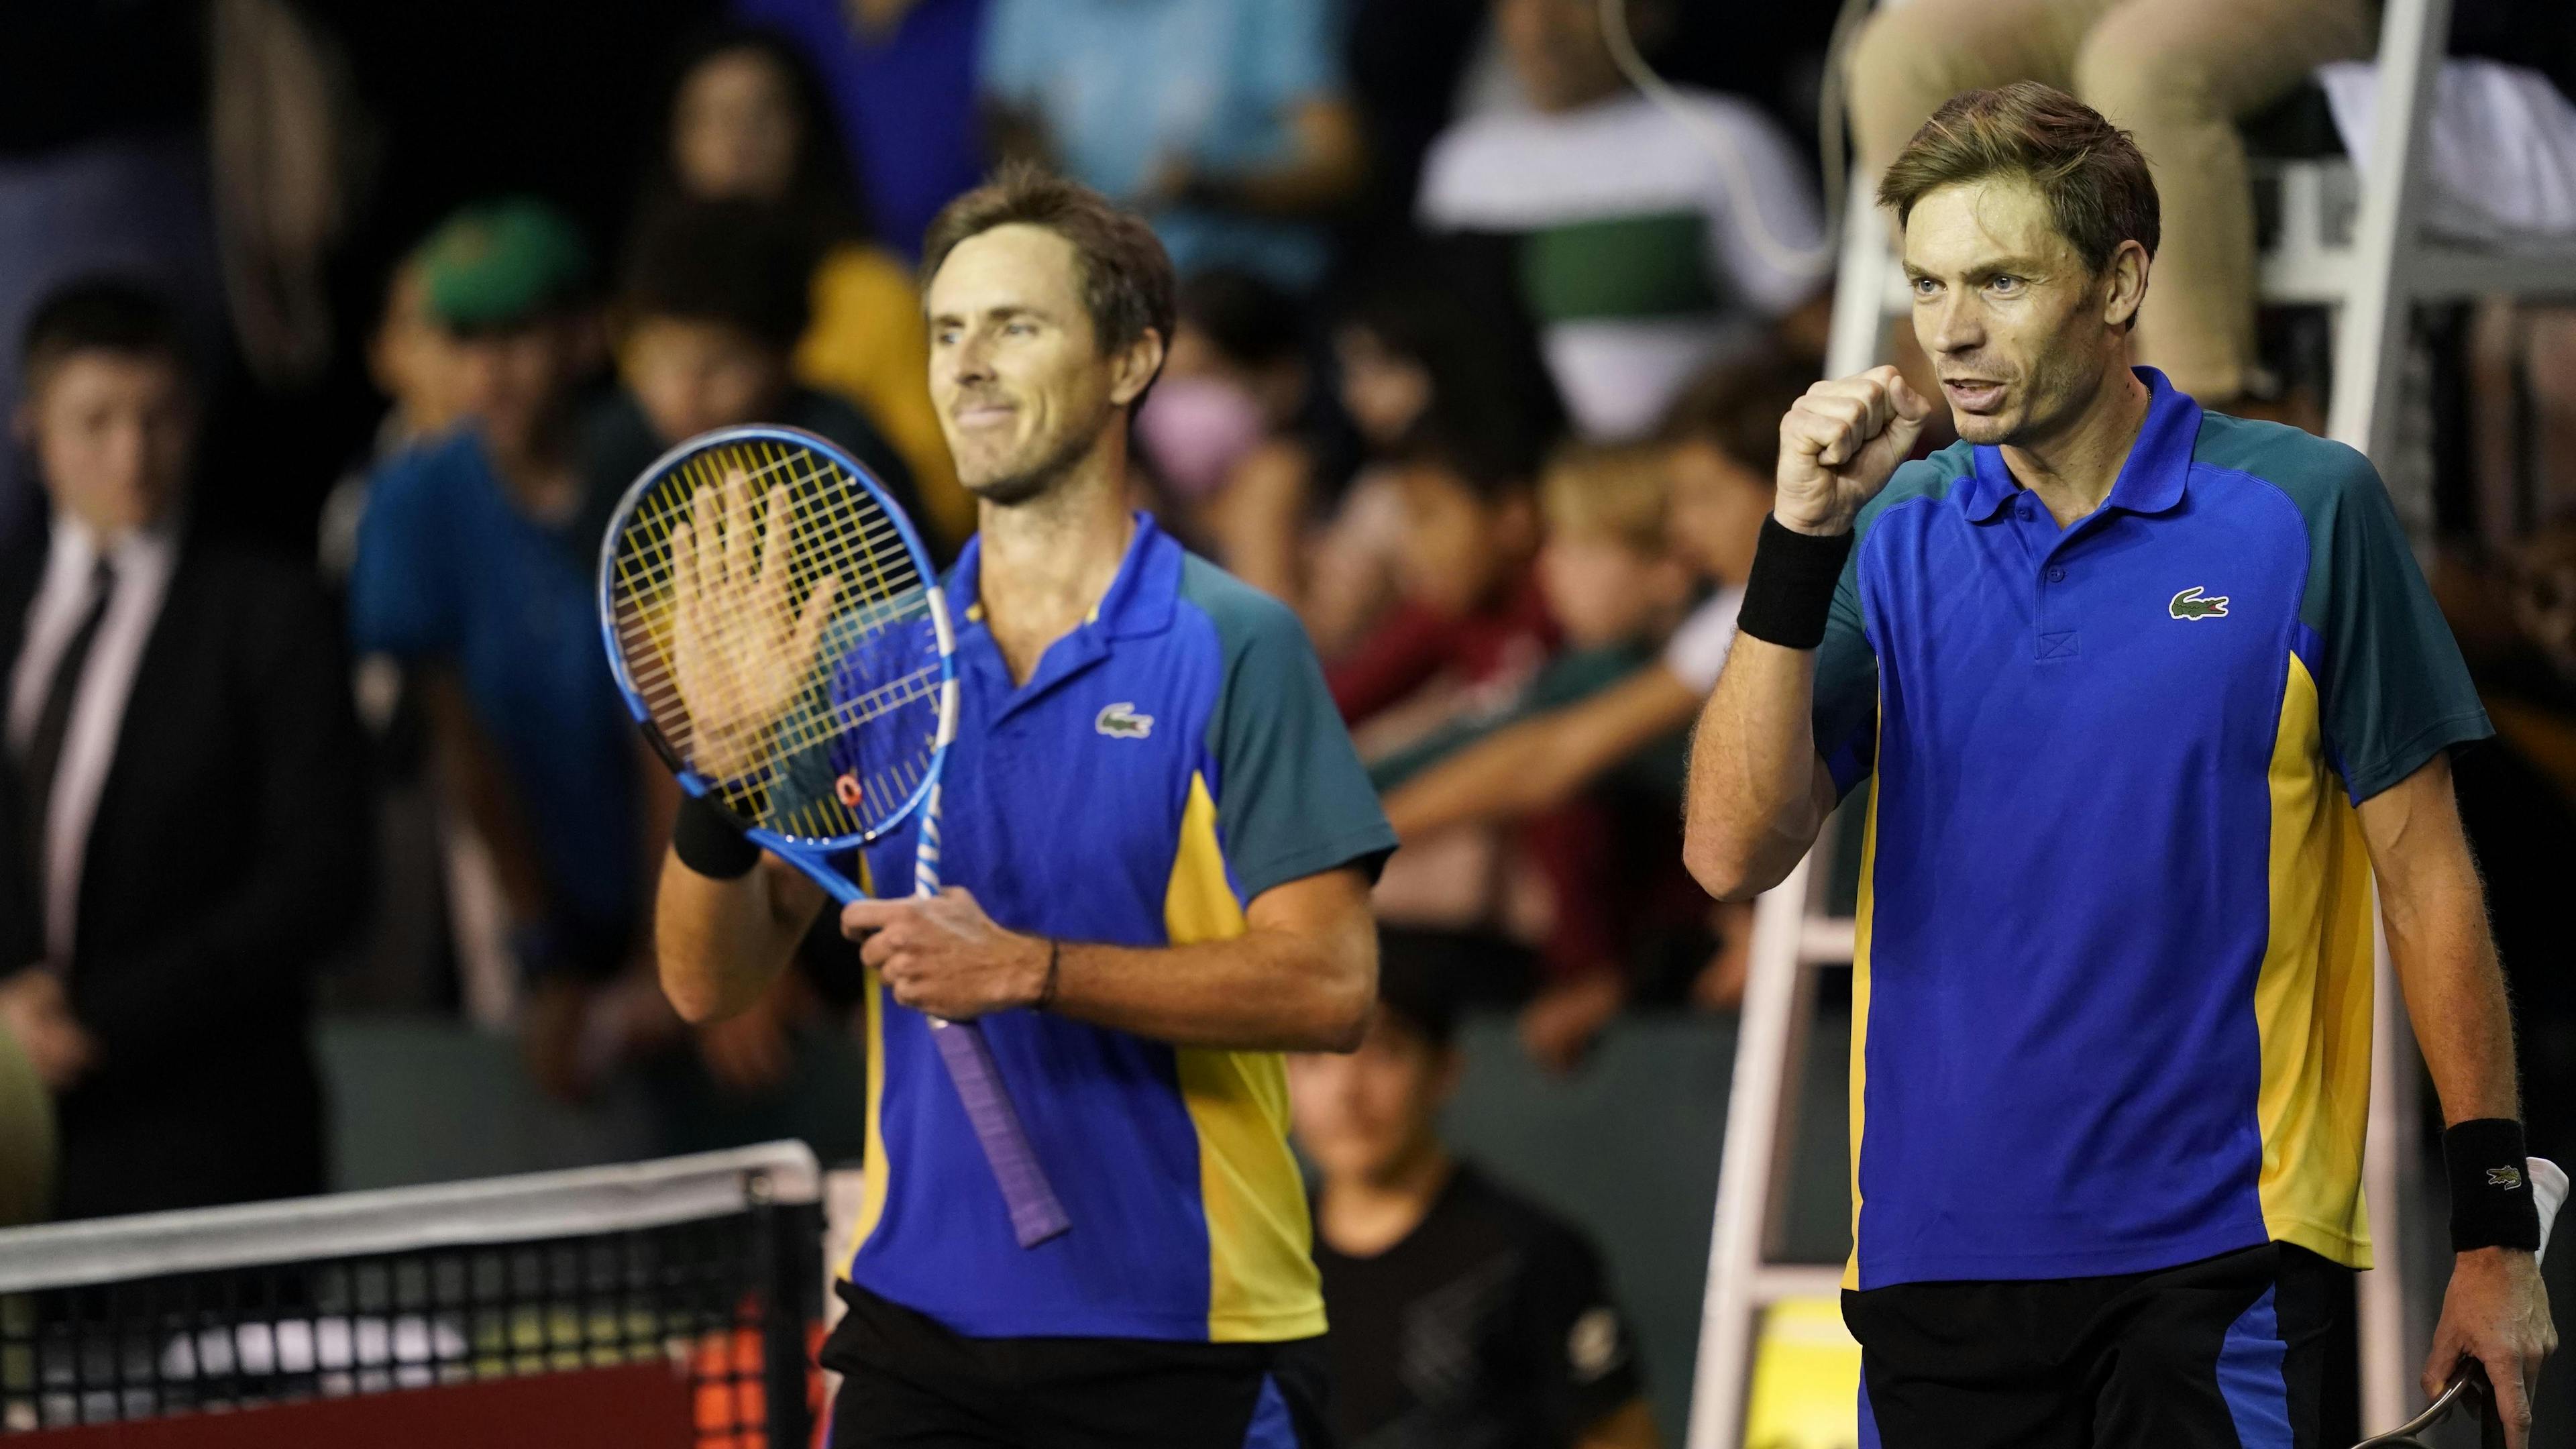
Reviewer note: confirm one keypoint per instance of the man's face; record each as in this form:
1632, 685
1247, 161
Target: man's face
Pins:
1557, 50
1016, 370
112, 432
734, 129
511, 382
1365, 1114
695, 376
2020, 330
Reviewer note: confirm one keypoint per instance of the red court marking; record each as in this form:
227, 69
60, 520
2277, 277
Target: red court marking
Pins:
639, 1406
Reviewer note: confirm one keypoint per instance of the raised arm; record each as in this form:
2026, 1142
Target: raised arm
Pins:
1758, 793
1301, 977
2495, 1309
1542, 761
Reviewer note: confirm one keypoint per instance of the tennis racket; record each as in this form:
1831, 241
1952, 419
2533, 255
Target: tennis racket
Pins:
782, 640
2469, 1393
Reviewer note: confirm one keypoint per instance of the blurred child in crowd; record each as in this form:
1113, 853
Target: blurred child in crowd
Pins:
1470, 614
1433, 345
1222, 432
1462, 1313
748, 123
1602, 863
706, 319
1724, 440
474, 568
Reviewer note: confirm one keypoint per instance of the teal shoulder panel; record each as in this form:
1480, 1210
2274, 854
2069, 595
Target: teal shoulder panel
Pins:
1291, 796
2394, 688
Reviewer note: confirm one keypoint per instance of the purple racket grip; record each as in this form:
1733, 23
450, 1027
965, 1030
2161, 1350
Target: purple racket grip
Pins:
1036, 1214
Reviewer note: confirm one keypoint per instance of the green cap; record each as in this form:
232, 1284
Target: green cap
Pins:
500, 263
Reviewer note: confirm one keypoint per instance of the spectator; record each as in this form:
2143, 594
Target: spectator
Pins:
1608, 862
1640, 257
2176, 74
410, 957
102, 165
1462, 1314
900, 75
1432, 343
712, 304
166, 695
475, 569
1471, 612
1224, 429
748, 125
1225, 121
1726, 438
412, 361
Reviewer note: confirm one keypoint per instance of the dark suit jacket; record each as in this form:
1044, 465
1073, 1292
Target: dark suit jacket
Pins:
228, 858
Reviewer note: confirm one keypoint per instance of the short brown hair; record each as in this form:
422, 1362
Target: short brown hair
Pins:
2092, 174
1736, 408
1608, 491
1126, 276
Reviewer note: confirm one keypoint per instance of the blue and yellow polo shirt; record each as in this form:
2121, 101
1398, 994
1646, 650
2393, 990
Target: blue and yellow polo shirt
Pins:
1171, 759
2112, 987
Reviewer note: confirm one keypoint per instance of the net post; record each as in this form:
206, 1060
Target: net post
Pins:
789, 1249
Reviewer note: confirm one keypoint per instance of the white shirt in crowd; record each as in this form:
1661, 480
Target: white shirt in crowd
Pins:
143, 560
1697, 650
1640, 263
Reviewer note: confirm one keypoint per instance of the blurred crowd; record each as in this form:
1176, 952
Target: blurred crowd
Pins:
1480, 361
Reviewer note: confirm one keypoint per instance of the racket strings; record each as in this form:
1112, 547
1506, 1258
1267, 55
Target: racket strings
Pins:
810, 700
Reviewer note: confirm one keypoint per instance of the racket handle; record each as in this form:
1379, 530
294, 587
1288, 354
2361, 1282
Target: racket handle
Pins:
1036, 1213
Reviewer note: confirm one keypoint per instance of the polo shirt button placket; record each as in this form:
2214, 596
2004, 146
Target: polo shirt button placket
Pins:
2056, 575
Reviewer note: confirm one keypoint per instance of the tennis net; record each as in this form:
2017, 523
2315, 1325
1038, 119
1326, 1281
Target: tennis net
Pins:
672, 1303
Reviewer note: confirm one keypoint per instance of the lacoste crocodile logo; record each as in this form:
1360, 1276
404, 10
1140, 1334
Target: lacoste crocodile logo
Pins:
2507, 1178
1120, 721
2190, 605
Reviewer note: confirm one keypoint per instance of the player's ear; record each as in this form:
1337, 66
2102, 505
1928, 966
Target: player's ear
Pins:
1135, 367
2127, 275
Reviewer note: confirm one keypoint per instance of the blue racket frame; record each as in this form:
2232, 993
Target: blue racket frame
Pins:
1036, 1213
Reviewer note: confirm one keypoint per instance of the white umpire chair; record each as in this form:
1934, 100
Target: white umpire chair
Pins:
2369, 265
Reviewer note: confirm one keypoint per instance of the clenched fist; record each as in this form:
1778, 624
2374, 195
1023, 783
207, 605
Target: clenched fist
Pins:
1839, 445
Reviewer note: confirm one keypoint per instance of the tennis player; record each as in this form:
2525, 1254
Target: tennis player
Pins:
1163, 844
2149, 695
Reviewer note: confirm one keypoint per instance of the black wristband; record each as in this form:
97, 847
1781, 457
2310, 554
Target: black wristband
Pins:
2491, 1202
708, 842
1791, 592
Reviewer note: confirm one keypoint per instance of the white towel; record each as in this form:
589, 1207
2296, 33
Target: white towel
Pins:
2503, 149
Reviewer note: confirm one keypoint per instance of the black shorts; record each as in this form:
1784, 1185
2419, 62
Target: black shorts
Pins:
2250, 1350
907, 1382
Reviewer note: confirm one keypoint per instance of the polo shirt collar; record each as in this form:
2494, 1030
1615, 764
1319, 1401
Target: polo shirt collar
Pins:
2151, 481
1140, 599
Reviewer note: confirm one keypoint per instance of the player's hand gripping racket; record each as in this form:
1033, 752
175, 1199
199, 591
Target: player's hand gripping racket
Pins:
2469, 1392
782, 639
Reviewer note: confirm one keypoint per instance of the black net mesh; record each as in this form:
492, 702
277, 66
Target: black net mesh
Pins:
729, 1302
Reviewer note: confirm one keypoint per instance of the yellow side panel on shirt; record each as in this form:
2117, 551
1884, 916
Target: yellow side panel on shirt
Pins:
1861, 914
2312, 1001
1262, 1284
